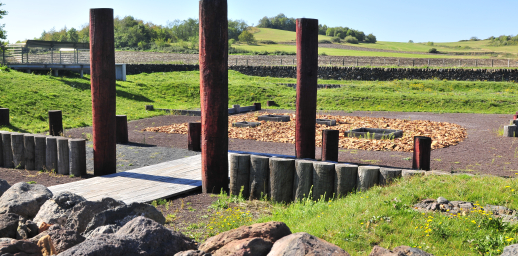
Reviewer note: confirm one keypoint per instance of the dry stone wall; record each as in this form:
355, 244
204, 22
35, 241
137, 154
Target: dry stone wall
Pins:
349, 73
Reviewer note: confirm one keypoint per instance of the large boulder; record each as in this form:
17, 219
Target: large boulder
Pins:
83, 212
63, 239
102, 230
19, 247
140, 236
4, 186
270, 231
8, 225
123, 214
57, 209
300, 244
255, 246
24, 199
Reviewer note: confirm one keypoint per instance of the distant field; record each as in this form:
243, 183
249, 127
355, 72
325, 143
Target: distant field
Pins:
413, 49
277, 35
344, 52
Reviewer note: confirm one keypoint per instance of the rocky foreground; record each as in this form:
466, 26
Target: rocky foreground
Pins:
33, 222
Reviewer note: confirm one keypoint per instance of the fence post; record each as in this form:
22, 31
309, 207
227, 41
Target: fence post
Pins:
428, 62
357, 62
307, 70
508, 63
194, 137
3, 55
55, 123
102, 65
214, 94
330, 145
422, 149
460, 63
398, 62
476, 64
51, 56
413, 63
121, 126
60, 57
343, 62
281, 62
492, 64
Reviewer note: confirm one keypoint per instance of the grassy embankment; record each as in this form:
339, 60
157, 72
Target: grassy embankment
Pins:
30, 96
276, 35
384, 216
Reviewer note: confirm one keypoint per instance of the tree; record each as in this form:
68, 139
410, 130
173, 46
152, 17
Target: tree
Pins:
72, 35
370, 39
247, 37
2, 31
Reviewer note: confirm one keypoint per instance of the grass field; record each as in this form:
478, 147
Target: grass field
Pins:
465, 46
341, 52
384, 216
30, 96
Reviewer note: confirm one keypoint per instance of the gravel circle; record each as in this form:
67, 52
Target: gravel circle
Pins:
134, 155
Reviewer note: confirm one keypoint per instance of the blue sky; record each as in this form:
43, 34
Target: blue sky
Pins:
400, 21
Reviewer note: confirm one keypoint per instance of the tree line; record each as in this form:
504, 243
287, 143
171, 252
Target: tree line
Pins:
343, 33
135, 34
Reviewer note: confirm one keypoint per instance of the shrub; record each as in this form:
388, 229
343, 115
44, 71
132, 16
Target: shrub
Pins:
335, 40
410, 41
370, 39
247, 37
429, 43
351, 39
433, 50
231, 41
267, 42
324, 42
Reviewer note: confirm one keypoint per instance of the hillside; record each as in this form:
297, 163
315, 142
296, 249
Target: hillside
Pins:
380, 48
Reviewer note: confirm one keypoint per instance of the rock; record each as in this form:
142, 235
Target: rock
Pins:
24, 199
19, 247
270, 231
255, 246
123, 214
193, 253
63, 239
46, 246
6, 240
57, 209
140, 236
8, 225
4, 186
380, 251
510, 250
409, 251
26, 229
83, 212
442, 200
302, 243
108, 229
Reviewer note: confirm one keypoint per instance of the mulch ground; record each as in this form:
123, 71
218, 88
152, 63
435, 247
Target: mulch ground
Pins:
483, 151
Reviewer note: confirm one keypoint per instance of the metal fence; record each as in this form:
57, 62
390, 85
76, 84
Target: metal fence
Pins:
44, 56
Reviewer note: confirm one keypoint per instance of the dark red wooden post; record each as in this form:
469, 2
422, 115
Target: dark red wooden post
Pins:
330, 145
194, 137
422, 149
257, 106
55, 123
214, 95
4, 116
102, 70
122, 128
307, 71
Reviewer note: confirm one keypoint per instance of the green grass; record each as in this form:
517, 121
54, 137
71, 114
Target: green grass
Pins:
384, 216
277, 35
30, 96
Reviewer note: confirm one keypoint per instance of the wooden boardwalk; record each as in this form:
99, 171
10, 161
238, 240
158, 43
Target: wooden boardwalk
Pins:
140, 185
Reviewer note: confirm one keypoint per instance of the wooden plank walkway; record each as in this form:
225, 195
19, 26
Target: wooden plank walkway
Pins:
140, 185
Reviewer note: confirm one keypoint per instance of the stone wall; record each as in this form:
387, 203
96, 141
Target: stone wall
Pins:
349, 73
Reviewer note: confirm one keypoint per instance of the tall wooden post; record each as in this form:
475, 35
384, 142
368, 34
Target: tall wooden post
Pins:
422, 150
214, 95
4, 116
102, 70
307, 71
194, 136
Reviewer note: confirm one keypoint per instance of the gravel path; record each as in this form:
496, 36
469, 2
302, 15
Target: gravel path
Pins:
135, 155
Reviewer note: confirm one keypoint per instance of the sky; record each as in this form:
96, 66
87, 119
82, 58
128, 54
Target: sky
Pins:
396, 20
